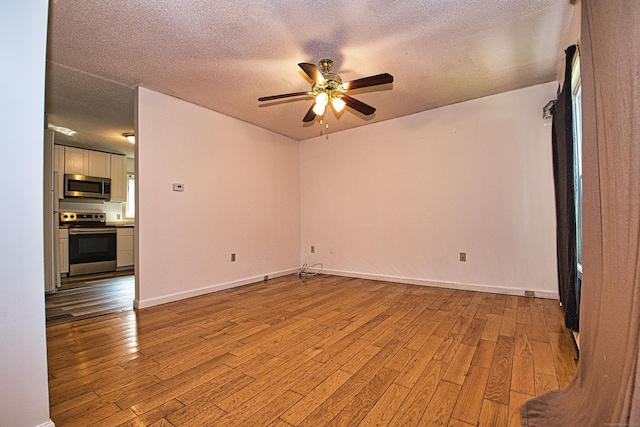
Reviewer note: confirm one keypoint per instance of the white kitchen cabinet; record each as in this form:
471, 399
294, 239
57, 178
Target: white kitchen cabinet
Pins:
58, 166
78, 161
124, 246
118, 178
63, 254
99, 164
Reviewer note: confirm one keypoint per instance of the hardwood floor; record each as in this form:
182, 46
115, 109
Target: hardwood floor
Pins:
315, 351
89, 296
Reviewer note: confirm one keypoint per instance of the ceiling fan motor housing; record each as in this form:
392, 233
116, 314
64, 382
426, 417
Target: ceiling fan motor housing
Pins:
332, 87
331, 77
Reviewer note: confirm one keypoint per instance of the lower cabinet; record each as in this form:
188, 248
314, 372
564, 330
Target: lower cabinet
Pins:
124, 245
63, 253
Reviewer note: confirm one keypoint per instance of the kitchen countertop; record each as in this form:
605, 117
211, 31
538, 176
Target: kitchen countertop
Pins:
121, 223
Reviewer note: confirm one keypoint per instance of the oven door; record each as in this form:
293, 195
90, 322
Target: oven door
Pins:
92, 250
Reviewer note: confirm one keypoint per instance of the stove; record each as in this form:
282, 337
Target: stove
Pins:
92, 243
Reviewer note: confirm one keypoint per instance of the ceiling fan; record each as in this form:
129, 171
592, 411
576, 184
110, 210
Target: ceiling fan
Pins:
329, 88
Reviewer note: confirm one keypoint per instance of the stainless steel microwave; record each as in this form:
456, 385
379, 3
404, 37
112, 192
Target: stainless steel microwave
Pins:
87, 187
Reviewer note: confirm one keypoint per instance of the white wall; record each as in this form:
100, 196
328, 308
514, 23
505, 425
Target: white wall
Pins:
398, 200
241, 195
24, 399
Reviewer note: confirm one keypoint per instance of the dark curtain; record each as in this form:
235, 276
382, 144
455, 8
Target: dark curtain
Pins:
563, 171
606, 389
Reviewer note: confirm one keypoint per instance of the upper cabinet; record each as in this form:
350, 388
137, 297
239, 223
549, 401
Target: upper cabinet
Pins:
118, 178
79, 161
99, 164
76, 161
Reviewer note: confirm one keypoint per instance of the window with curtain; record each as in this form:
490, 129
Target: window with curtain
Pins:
576, 102
576, 90
565, 172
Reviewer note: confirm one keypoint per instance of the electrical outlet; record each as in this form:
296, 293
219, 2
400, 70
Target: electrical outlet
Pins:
463, 257
529, 294
233, 257
313, 249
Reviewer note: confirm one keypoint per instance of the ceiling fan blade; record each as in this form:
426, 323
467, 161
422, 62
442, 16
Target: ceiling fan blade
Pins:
310, 116
360, 106
379, 79
284, 95
312, 71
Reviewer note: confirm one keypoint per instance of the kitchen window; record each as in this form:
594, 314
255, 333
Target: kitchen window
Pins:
130, 206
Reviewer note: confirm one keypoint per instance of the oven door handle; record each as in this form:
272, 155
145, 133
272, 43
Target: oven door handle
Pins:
74, 231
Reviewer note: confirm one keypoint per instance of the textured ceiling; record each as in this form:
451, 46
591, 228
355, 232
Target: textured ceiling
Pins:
224, 55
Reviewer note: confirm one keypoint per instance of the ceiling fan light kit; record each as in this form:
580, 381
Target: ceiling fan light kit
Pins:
321, 102
328, 88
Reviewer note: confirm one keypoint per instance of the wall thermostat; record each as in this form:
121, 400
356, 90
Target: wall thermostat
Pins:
178, 187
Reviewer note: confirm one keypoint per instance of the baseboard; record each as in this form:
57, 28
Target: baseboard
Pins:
448, 285
47, 424
137, 303
409, 281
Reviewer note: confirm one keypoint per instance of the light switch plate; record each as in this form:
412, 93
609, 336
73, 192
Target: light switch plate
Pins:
178, 187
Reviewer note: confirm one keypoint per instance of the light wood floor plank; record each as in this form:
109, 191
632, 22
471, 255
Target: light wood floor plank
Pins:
323, 350
543, 361
493, 414
499, 383
545, 383
385, 408
362, 403
411, 410
193, 410
457, 423
563, 345
154, 416
538, 323
409, 376
338, 400
469, 403
441, 405
522, 375
315, 398
474, 333
508, 325
459, 366
492, 327
484, 354
515, 402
